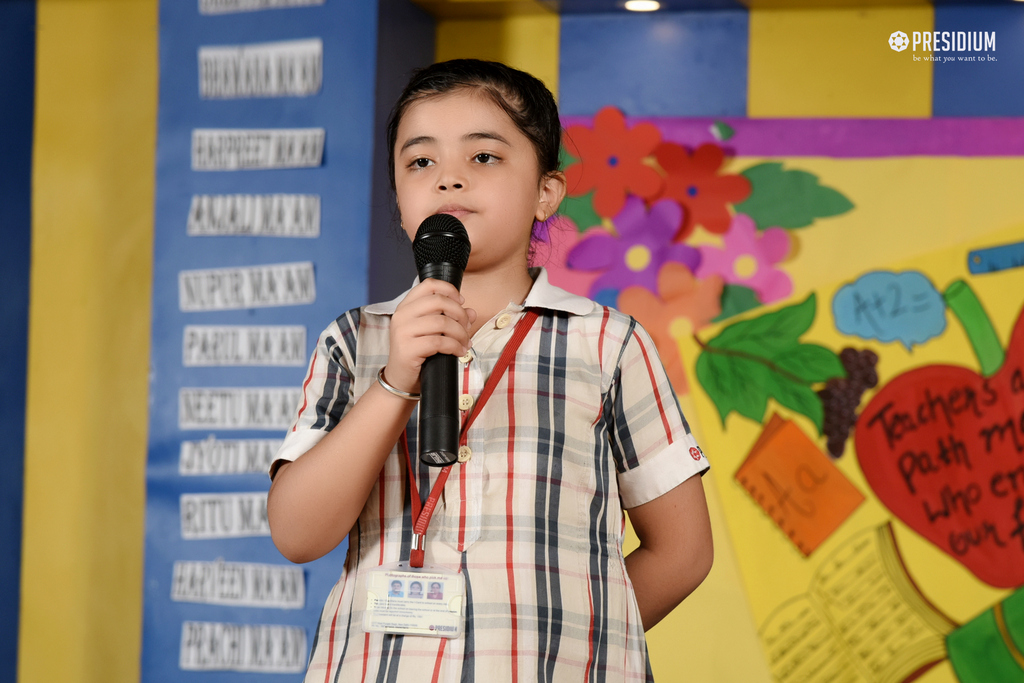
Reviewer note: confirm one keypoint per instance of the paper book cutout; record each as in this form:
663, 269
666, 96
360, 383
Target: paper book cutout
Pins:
862, 620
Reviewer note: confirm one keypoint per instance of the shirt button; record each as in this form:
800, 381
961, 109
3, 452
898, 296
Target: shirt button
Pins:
465, 402
503, 320
468, 357
465, 453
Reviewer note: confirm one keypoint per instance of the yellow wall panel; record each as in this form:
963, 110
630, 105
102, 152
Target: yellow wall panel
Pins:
528, 42
92, 241
837, 63
711, 636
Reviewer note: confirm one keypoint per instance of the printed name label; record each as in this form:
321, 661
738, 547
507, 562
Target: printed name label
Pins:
242, 584
226, 6
271, 215
233, 150
261, 69
213, 456
279, 284
269, 408
223, 515
211, 646
212, 345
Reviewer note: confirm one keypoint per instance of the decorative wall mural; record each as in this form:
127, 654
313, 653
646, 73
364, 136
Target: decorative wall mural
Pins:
864, 419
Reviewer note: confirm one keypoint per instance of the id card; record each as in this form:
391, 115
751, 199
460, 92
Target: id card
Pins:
427, 601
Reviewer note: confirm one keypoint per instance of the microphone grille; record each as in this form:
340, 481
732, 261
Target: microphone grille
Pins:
441, 238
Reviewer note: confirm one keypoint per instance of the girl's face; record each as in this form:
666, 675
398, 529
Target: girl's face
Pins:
461, 154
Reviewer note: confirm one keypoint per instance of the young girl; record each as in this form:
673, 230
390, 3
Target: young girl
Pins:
581, 424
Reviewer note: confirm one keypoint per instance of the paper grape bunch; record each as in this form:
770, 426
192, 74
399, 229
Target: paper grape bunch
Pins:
841, 396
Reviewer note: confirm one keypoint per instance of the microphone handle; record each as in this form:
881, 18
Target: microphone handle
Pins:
439, 390
439, 410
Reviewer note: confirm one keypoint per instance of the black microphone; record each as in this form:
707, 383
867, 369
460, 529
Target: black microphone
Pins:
441, 248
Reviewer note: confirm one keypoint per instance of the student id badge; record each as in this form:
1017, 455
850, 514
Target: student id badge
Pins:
427, 601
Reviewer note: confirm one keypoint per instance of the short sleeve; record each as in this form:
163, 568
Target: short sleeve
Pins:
327, 390
652, 445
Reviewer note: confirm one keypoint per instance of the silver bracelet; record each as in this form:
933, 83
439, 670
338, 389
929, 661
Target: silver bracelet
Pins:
397, 392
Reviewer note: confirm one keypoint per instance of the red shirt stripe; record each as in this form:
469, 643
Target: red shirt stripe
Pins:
654, 386
305, 396
437, 662
511, 451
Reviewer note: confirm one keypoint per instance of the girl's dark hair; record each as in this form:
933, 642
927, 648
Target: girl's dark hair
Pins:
523, 97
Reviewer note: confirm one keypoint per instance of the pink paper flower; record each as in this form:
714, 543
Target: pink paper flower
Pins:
749, 259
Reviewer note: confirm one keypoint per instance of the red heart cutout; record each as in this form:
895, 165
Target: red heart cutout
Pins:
943, 448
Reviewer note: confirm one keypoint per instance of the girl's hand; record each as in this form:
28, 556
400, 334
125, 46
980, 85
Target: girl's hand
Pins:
429, 320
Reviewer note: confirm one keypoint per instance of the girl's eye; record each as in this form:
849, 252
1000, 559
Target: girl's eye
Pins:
421, 163
485, 158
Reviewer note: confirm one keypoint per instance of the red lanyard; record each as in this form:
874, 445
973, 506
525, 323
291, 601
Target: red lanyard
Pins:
422, 517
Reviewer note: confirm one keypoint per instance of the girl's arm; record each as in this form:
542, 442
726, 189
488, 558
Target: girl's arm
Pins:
315, 500
675, 552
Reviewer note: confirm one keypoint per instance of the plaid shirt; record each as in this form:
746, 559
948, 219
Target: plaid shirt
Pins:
583, 424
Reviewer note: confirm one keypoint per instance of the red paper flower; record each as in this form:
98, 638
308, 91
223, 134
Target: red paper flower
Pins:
611, 161
693, 181
686, 305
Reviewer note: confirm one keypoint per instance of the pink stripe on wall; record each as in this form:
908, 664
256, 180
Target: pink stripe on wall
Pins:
849, 138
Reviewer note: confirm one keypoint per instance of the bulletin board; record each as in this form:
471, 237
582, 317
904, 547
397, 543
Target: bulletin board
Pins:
262, 222
840, 307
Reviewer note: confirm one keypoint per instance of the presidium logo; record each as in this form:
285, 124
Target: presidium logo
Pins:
899, 41
947, 41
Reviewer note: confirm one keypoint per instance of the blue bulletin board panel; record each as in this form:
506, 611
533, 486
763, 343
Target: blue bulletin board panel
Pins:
266, 123
969, 83
17, 82
654, 63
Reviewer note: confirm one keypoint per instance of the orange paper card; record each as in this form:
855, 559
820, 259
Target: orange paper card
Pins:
797, 485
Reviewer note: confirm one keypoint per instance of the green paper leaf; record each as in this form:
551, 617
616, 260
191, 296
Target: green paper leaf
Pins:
722, 131
581, 211
809, 362
789, 198
736, 299
734, 384
770, 333
797, 397
753, 360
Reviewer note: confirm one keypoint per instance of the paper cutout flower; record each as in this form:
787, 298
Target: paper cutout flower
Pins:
643, 245
693, 181
611, 161
686, 305
749, 259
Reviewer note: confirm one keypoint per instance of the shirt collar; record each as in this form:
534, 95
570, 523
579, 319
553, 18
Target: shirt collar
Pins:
543, 294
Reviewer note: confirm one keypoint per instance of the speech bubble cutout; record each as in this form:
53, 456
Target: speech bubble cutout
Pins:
890, 306
943, 448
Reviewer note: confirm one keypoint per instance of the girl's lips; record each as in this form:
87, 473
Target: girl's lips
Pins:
457, 211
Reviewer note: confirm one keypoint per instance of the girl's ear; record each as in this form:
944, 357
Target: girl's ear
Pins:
552, 192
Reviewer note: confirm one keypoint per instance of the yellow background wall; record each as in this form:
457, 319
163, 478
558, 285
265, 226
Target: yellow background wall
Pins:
826, 62
528, 42
92, 242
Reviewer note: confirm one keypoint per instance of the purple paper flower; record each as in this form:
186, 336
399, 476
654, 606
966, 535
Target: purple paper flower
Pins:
643, 245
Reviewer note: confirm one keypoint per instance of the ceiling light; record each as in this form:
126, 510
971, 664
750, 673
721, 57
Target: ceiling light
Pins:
642, 5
